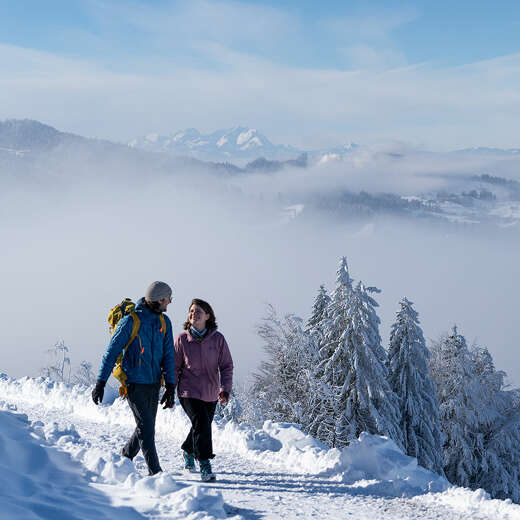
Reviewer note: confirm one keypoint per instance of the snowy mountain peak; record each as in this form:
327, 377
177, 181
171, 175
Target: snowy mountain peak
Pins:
238, 142
222, 141
248, 140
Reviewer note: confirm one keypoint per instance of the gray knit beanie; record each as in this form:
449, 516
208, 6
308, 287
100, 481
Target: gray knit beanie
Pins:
157, 291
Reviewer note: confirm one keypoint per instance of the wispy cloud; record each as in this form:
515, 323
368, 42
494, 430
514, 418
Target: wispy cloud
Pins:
370, 27
361, 56
175, 29
212, 70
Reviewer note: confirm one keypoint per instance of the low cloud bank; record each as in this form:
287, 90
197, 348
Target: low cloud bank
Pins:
81, 237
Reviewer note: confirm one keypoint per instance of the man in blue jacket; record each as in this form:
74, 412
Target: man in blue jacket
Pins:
149, 357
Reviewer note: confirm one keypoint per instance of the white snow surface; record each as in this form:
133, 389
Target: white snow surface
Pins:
59, 459
329, 157
246, 136
222, 141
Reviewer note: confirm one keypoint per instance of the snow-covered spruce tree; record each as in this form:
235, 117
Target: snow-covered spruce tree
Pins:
319, 309
328, 324
451, 367
371, 405
409, 378
315, 329
499, 471
481, 420
491, 383
356, 396
283, 381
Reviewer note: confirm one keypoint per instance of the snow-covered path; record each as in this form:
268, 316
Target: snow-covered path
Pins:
255, 480
254, 490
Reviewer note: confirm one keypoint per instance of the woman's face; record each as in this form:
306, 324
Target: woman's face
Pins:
197, 317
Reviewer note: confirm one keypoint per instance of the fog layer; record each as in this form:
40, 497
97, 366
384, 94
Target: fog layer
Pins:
75, 245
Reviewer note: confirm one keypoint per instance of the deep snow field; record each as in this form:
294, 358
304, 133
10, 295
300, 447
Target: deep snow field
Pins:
59, 460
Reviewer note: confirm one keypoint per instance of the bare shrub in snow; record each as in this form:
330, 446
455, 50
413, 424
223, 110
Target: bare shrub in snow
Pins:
283, 381
84, 374
59, 368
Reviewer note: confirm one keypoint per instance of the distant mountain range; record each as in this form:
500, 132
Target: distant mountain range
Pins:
238, 144
36, 144
486, 189
484, 150
233, 144
225, 145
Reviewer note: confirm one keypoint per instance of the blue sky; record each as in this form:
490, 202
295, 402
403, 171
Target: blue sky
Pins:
436, 74
442, 32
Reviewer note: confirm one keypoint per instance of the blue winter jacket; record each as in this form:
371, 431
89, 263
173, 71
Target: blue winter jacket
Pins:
143, 365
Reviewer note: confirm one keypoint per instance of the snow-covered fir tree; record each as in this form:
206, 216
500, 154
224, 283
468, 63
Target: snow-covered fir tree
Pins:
409, 378
499, 471
371, 405
328, 322
451, 367
499, 475
490, 380
479, 417
319, 309
315, 329
352, 373
284, 378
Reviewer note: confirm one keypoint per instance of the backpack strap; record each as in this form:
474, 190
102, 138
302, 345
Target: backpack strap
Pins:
118, 371
163, 324
163, 330
135, 328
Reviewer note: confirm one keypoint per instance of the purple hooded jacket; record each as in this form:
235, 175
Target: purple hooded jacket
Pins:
199, 365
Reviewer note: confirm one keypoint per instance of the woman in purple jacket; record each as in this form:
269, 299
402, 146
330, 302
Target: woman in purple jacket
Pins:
204, 374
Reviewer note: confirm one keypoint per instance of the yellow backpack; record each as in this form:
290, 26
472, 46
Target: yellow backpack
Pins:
115, 315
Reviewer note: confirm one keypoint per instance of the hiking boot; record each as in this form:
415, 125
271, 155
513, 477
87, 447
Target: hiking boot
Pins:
189, 462
205, 471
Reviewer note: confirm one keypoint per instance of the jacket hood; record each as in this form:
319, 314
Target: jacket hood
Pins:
142, 307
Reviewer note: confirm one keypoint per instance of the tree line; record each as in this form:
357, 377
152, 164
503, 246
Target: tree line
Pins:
446, 405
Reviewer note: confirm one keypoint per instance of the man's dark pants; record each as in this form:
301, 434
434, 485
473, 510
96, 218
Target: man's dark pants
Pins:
143, 401
199, 441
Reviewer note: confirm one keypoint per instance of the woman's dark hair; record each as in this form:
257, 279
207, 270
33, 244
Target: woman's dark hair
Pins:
211, 324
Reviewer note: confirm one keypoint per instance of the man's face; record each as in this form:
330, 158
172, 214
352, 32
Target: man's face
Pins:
163, 304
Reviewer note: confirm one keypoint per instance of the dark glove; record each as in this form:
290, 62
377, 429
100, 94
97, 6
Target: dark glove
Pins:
223, 397
168, 398
98, 392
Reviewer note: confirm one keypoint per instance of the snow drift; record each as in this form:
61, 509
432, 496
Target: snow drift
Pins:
371, 458
48, 470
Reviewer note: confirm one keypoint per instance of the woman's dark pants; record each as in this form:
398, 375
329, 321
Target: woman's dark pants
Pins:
199, 442
143, 401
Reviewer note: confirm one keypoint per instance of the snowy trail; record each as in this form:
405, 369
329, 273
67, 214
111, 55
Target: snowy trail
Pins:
253, 484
